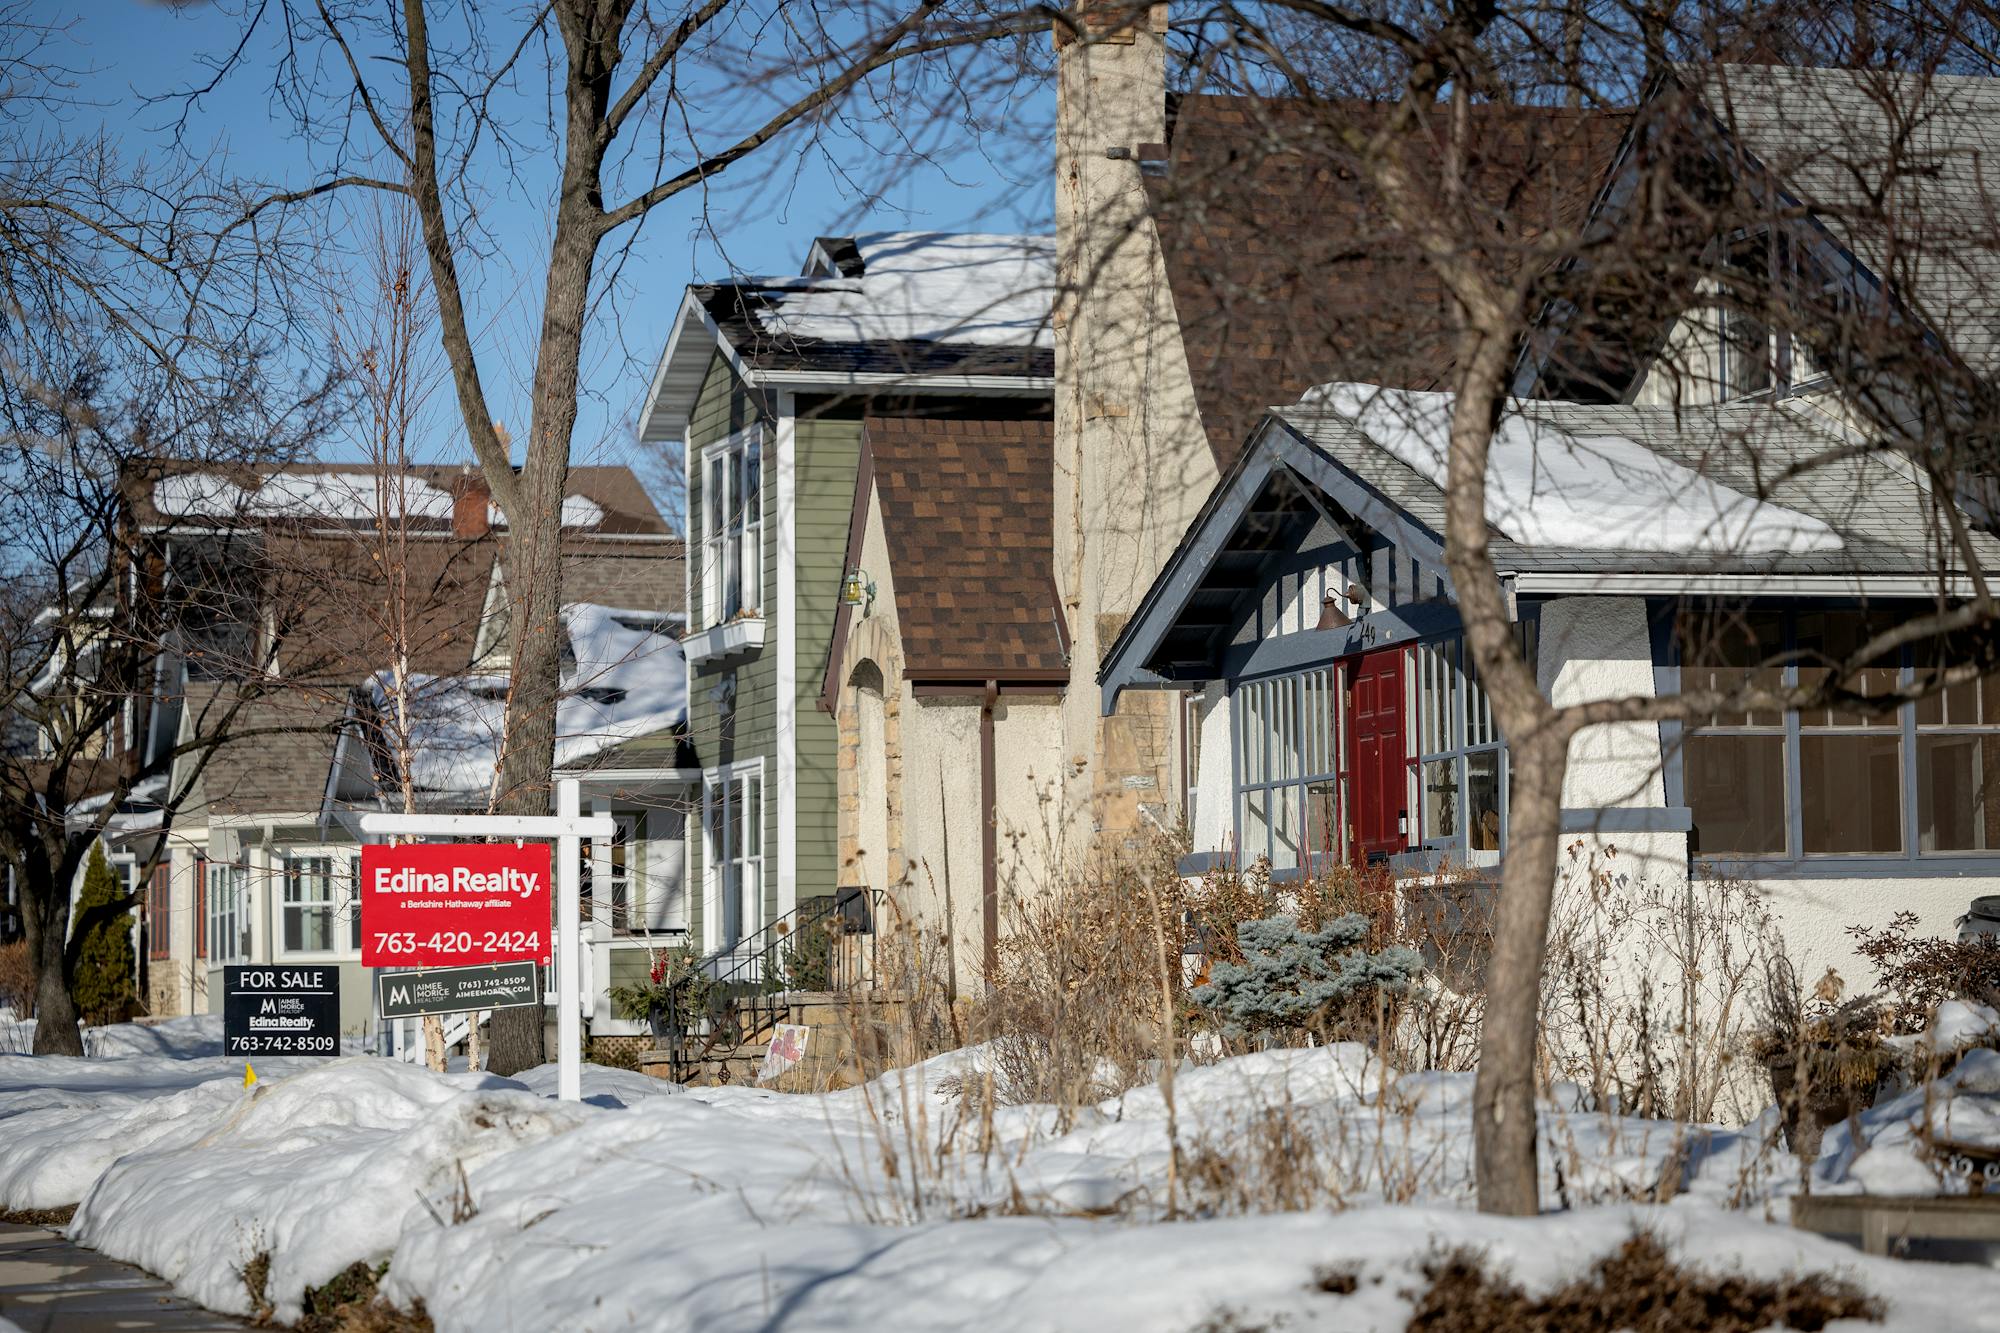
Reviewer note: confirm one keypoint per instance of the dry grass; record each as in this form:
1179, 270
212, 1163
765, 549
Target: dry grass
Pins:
17, 979
1639, 1288
349, 1302
39, 1217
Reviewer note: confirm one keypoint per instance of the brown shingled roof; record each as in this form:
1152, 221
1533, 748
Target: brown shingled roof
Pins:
1285, 276
966, 508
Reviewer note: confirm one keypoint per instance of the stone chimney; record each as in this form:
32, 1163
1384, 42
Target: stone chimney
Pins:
471, 502
1132, 464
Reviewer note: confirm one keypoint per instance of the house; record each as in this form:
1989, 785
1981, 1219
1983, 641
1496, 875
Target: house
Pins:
1648, 537
773, 387
288, 598
1195, 260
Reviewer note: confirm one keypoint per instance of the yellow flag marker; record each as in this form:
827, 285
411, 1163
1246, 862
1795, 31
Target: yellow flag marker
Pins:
249, 1074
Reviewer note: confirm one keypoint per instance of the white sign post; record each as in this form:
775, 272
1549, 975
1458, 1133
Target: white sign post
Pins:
568, 828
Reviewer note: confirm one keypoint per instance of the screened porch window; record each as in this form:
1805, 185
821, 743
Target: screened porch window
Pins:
1910, 780
1291, 766
1461, 762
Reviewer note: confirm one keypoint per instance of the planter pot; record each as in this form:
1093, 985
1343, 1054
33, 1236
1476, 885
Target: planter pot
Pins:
1827, 1106
665, 1028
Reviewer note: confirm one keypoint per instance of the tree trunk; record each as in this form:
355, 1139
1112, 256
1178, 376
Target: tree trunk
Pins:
46, 916
534, 580
434, 1043
1503, 1097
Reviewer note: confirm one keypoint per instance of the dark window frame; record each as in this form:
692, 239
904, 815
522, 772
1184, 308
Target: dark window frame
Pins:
1794, 862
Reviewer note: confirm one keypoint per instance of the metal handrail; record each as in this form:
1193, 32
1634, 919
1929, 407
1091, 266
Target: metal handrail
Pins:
746, 975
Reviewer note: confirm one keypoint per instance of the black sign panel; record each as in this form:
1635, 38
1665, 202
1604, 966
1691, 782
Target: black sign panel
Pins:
455, 990
273, 1010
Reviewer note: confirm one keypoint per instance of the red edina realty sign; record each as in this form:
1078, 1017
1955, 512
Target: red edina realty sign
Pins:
454, 904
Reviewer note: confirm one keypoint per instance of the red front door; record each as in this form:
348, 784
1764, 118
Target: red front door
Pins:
1380, 792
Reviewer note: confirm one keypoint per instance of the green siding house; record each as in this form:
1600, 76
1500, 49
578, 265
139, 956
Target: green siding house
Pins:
763, 386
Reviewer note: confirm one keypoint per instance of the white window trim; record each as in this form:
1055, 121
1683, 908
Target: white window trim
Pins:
714, 780
750, 553
333, 903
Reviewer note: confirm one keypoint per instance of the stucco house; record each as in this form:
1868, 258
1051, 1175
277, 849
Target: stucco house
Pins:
1649, 534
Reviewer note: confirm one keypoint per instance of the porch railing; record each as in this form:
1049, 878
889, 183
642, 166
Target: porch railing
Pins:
826, 943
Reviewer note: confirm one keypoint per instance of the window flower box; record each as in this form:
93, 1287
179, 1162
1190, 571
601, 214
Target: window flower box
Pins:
730, 641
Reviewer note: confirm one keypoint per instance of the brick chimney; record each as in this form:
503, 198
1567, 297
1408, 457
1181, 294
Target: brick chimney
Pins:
470, 506
1132, 464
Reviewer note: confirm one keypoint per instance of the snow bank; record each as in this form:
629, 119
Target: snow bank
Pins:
1548, 487
970, 288
1905, 1145
184, 1038
318, 1170
629, 679
742, 1208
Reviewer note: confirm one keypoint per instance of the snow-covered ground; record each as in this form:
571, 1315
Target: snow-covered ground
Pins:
886, 1207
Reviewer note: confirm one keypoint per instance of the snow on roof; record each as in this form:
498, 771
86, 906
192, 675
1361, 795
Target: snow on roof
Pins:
1546, 486
628, 680
350, 496
973, 288
578, 511
342, 495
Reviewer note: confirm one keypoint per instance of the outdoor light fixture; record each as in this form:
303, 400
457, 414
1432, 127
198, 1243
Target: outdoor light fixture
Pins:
857, 589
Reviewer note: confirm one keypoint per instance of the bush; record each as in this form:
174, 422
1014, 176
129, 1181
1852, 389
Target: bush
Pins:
1918, 973
1075, 1003
107, 988
1296, 981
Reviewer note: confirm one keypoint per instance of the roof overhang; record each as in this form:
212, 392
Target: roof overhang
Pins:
1277, 454
696, 339
1563, 583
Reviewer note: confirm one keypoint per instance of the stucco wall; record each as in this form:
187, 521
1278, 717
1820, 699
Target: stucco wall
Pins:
941, 814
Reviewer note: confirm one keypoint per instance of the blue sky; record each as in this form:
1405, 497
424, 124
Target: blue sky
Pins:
760, 219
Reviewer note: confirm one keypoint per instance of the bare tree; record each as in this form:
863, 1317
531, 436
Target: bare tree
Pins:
136, 331
628, 126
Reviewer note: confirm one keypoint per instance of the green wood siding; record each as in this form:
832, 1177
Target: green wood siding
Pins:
829, 454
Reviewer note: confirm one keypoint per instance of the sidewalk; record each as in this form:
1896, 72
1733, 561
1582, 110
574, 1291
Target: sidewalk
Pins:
48, 1285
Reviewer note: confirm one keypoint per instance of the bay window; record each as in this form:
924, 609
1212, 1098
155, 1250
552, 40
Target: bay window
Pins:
732, 528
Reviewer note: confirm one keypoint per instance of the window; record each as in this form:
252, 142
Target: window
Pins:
1733, 769
1290, 768
1958, 762
160, 911
228, 914
309, 904
732, 529
217, 588
1460, 756
733, 838
1763, 270
354, 902
1843, 780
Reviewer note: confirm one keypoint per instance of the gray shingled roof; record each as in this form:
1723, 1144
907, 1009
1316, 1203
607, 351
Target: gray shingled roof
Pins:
1836, 138
1886, 516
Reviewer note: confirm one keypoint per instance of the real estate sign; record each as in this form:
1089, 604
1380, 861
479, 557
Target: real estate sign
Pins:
454, 904
281, 1010
455, 990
